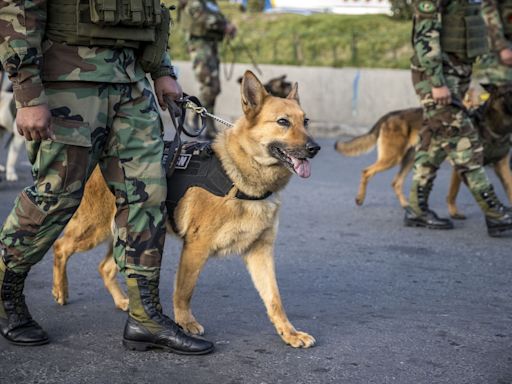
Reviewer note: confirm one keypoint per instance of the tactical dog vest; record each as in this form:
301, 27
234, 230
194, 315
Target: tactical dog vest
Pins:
505, 9
463, 29
198, 166
111, 23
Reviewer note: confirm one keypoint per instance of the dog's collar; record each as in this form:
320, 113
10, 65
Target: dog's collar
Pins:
242, 196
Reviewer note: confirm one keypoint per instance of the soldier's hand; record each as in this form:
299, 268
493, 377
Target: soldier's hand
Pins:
442, 95
167, 86
34, 123
506, 56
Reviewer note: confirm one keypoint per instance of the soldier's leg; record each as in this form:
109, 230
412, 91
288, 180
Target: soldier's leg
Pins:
205, 61
41, 211
466, 155
133, 170
429, 156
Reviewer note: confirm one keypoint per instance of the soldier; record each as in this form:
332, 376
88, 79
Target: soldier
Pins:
205, 26
447, 37
83, 99
498, 16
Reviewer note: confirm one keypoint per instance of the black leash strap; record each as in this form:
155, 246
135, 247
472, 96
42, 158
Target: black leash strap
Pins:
177, 111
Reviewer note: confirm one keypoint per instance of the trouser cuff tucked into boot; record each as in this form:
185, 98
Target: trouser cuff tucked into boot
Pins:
16, 323
147, 327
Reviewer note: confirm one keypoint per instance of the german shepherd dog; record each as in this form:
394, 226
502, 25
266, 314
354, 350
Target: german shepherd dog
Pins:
260, 153
396, 135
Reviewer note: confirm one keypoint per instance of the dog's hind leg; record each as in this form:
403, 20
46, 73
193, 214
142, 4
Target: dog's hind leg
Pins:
452, 196
502, 169
193, 258
382, 164
108, 272
260, 264
398, 181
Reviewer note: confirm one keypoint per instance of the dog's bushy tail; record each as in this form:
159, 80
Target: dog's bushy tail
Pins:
362, 144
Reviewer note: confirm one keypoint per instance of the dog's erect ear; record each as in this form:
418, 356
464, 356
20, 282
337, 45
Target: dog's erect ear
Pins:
253, 94
294, 93
491, 88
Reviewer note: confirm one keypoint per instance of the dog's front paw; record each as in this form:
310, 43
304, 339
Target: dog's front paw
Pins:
60, 295
188, 322
299, 339
193, 327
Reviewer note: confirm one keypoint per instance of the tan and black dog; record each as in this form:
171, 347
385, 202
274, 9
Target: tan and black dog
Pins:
396, 134
267, 145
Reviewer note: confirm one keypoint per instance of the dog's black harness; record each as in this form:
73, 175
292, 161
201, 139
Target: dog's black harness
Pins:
197, 166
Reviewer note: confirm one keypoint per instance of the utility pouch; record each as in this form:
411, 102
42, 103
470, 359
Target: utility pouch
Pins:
104, 12
131, 13
152, 53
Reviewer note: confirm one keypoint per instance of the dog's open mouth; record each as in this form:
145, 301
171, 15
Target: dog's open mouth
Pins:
298, 165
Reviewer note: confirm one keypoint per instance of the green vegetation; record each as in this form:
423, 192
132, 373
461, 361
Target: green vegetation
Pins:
315, 40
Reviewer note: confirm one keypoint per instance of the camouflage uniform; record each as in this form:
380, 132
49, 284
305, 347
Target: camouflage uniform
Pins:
103, 111
440, 59
204, 26
497, 15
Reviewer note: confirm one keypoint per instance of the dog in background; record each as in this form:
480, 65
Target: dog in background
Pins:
267, 145
277, 86
396, 134
8, 126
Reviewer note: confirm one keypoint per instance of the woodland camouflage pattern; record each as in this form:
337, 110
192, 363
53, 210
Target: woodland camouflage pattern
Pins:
204, 31
496, 72
103, 112
448, 131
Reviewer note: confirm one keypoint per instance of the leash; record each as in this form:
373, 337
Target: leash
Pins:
177, 111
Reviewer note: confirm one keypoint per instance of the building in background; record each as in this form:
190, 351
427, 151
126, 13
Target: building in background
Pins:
346, 7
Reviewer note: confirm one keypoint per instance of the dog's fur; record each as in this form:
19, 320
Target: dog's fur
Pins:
8, 126
256, 154
397, 133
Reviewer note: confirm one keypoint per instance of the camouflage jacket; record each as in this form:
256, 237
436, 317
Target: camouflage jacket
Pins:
30, 58
426, 37
200, 18
495, 26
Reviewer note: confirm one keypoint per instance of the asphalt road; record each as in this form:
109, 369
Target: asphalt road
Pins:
387, 304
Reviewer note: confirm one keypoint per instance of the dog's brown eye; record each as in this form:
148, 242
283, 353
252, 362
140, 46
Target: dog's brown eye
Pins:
283, 122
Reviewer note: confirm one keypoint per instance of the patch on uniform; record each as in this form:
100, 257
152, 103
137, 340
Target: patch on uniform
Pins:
427, 6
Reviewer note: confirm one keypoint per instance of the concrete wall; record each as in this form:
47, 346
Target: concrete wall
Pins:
337, 100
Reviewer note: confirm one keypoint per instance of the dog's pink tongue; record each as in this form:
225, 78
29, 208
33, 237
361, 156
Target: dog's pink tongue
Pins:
302, 167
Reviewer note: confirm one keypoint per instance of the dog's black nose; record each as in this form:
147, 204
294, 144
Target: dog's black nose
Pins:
312, 148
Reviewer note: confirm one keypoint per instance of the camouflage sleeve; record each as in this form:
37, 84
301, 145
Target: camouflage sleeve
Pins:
426, 39
212, 19
166, 68
494, 25
22, 25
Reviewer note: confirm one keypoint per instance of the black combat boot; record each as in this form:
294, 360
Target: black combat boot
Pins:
423, 216
16, 324
497, 217
147, 327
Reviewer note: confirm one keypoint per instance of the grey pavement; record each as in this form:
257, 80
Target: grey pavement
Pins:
387, 304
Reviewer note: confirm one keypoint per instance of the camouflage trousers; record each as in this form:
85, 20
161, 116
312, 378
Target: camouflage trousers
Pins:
205, 62
447, 132
118, 127
496, 72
